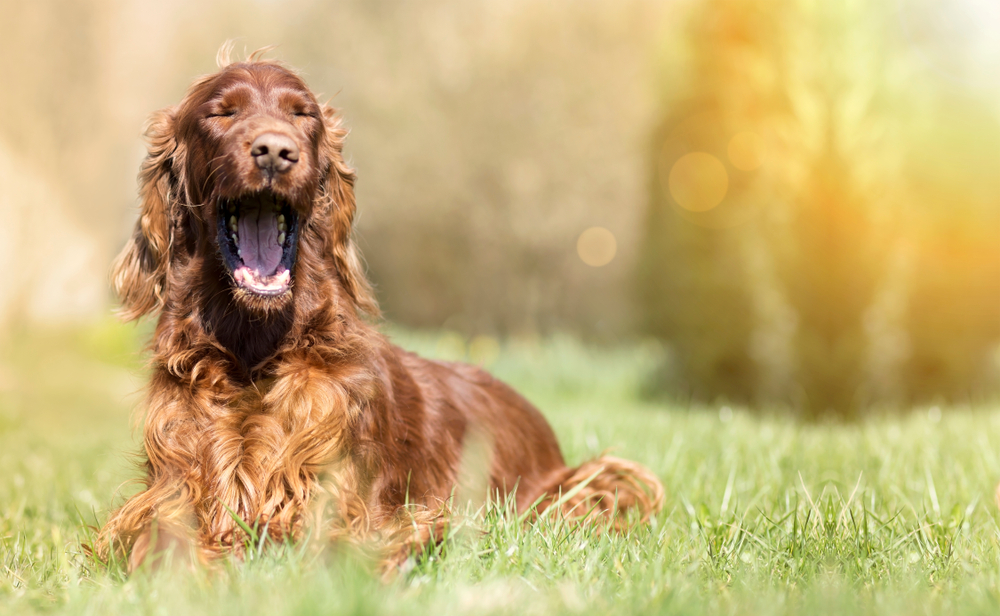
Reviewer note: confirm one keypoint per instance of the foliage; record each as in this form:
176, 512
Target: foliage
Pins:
845, 263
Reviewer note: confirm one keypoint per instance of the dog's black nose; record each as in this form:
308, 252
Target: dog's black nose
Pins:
274, 152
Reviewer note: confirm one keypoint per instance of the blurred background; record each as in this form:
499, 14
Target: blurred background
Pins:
785, 203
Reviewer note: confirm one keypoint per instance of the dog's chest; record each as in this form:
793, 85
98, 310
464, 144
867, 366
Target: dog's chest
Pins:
259, 446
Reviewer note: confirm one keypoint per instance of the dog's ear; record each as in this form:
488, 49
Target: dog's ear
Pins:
338, 193
139, 274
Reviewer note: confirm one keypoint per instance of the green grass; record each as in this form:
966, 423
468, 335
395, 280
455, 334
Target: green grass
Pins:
763, 515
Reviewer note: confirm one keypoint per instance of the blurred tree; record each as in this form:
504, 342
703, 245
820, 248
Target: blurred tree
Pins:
787, 94
695, 286
830, 272
953, 308
835, 247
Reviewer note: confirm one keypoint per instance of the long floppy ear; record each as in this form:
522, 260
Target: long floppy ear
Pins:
338, 190
139, 274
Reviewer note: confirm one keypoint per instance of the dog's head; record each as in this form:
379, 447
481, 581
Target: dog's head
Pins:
244, 180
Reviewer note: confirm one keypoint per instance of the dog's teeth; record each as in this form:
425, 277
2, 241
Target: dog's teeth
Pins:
281, 239
232, 224
236, 238
239, 253
282, 226
281, 219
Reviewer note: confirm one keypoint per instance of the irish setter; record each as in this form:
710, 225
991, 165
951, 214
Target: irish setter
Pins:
272, 397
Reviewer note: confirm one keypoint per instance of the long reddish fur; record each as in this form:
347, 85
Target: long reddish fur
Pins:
299, 414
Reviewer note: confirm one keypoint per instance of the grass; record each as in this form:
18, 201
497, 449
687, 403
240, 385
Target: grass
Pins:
763, 514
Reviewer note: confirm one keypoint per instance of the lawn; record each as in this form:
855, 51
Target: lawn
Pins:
763, 514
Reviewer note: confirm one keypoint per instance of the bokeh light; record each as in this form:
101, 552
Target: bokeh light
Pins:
596, 246
746, 151
698, 181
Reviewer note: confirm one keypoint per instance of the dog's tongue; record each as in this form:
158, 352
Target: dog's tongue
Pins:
258, 230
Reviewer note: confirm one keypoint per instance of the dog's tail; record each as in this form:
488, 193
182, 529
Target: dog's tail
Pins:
618, 491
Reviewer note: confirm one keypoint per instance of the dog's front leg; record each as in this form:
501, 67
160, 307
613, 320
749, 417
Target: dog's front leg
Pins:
165, 518
316, 400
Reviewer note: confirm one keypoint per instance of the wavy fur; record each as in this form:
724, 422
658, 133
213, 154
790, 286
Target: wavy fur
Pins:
293, 412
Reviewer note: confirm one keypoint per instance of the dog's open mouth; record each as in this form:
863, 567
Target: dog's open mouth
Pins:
258, 235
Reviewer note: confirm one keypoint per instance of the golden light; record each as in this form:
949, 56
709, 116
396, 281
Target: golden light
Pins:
698, 181
746, 151
596, 246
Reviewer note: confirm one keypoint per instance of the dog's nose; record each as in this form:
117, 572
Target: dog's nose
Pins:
274, 152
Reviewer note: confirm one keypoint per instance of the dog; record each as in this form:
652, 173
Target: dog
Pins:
274, 401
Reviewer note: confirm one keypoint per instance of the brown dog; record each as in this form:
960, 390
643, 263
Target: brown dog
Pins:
271, 398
